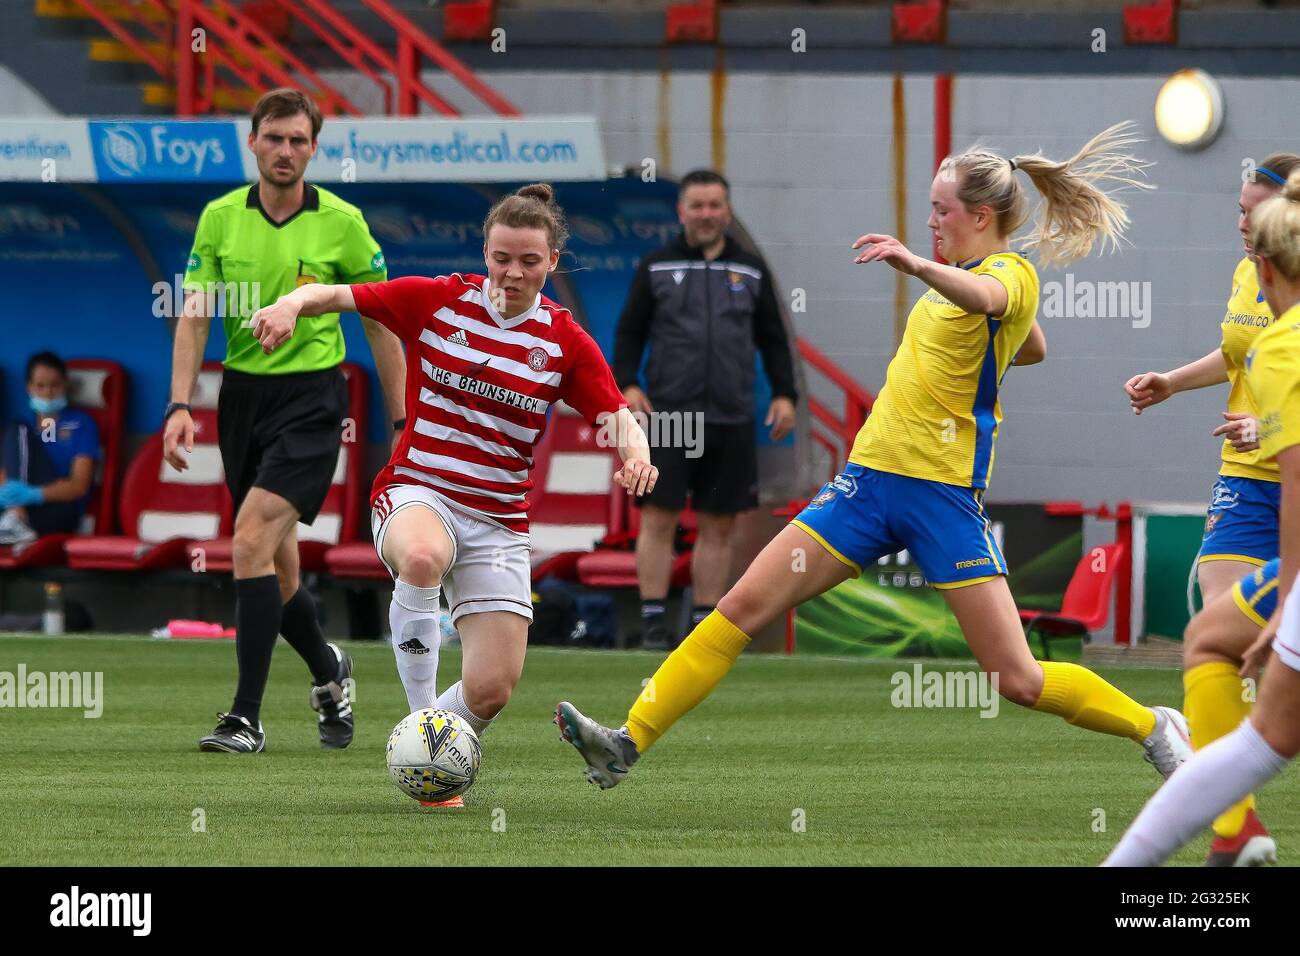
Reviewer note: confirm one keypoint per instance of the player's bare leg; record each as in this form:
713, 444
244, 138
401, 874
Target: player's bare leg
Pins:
792, 568
987, 615
1215, 577
493, 645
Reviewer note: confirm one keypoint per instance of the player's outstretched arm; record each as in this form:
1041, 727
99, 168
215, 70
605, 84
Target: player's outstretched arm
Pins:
976, 294
273, 325
637, 475
1152, 388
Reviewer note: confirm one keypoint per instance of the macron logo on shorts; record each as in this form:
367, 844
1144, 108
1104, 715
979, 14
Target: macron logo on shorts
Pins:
413, 646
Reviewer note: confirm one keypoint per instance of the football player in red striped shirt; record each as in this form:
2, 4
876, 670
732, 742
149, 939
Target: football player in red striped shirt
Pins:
487, 357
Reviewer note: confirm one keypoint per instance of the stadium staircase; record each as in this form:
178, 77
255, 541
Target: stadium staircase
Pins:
195, 57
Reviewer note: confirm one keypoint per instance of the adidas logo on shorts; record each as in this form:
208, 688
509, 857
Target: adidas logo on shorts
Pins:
459, 338
413, 646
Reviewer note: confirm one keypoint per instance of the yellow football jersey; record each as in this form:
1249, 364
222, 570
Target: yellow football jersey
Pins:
937, 415
1273, 376
1248, 315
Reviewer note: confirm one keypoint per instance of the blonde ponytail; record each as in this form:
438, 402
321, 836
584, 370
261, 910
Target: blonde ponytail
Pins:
1076, 212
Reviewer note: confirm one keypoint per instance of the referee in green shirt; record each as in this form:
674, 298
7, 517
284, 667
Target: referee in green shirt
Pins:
280, 415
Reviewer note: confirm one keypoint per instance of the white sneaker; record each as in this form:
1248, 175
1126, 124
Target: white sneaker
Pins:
609, 753
1170, 744
13, 530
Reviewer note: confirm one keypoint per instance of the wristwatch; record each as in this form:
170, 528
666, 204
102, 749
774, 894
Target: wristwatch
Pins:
174, 407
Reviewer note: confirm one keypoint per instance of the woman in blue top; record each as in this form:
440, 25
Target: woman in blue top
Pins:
48, 458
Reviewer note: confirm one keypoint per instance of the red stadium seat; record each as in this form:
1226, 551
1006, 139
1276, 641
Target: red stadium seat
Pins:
569, 509
339, 516
98, 387
613, 563
1086, 605
164, 511
356, 560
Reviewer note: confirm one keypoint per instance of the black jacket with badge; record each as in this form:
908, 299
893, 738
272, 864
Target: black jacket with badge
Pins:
703, 320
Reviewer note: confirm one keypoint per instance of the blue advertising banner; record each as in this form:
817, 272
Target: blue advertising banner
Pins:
166, 151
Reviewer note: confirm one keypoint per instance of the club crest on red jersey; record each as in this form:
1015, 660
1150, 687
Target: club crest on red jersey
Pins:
538, 359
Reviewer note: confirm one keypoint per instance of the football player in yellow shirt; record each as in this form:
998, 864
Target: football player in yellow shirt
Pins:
1237, 566
1238, 763
917, 473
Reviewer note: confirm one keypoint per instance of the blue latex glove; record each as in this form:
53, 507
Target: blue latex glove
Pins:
15, 494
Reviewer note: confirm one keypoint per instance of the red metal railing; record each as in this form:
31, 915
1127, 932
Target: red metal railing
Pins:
242, 34
837, 432
412, 44
355, 48
248, 53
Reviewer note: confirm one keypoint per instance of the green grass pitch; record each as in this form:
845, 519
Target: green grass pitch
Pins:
792, 761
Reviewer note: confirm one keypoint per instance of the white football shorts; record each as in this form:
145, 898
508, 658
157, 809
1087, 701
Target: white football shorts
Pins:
490, 565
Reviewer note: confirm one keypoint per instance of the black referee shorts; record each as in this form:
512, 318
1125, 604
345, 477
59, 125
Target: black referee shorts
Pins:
282, 433
722, 479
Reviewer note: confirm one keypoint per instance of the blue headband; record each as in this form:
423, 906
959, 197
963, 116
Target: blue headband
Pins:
1271, 175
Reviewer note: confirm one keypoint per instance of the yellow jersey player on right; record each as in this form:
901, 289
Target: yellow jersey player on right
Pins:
1237, 567
917, 473
1247, 757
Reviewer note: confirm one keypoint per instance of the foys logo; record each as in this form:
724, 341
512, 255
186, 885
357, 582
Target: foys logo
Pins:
166, 151
123, 150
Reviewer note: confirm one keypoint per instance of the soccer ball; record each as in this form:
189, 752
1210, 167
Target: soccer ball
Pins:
433, 755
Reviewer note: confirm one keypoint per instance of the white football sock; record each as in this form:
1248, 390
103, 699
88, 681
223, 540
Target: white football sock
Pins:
453, 700
1216, 777
413, 617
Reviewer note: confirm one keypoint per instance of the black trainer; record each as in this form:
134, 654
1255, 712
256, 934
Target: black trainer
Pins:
655, 637
333, 703
234, 735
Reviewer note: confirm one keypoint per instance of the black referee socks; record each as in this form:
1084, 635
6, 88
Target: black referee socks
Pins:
301, 628
257, 624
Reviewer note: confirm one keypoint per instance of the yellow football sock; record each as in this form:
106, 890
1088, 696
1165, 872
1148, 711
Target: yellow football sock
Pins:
1213, 705
687, 677
1088, 701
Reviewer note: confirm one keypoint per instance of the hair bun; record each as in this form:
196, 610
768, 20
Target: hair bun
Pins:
539, 191
1291, 190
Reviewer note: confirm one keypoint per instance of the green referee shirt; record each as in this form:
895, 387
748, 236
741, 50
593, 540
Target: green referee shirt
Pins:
248, 261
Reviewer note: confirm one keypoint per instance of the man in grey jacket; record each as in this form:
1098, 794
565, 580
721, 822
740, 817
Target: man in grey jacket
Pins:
703, 304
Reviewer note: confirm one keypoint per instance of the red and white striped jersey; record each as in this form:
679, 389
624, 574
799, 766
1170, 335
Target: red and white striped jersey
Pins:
478, 387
